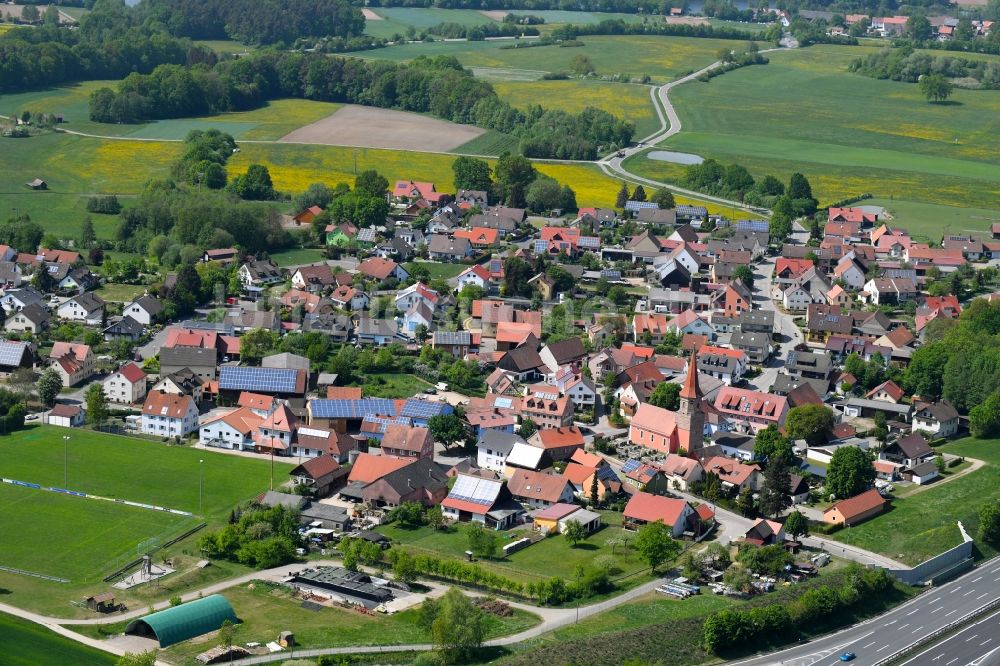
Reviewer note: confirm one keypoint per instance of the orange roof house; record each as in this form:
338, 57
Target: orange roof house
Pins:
645, 508
853, 510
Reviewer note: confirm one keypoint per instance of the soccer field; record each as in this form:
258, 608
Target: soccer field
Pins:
73, 537
136, 470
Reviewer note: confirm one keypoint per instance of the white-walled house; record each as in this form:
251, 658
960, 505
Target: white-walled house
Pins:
143, 309
169, 415
127, 386
234, 430
88, 307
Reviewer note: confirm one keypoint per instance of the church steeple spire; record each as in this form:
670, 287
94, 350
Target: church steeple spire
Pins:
690, 420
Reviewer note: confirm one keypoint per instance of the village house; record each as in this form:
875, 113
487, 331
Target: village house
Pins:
484, 501
734, 475
727, 365
87, 308
536, 490
257, 275
644, 508
547, 411
314, 278
855, 509
33, 319
749, 410
144, 309
407, 442
74, 362
234, 430
937, 418
65, 416
168, 415
380, 269
559, 443
321, 475
493, 447
126, 386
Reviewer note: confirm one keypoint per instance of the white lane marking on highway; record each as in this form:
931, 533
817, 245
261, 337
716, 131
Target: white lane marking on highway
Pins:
882, 648
996, 579
888, 624
956, 589
934, 600
984, 594
985, 642
968, 593
936, 609
951, 613
865, 647
976, 580
916, 630
904, 626
912, 612
970, 637
951, 662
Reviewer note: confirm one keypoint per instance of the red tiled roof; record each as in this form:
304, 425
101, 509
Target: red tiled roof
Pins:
651, 508
343, 392
368, 468
159, 403
132, 372
536, 485
255, 400
859, 504
557, 438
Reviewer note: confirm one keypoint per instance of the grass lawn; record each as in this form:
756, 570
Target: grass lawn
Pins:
121, 293
298, 256
924, 524
436, 269
928, 153
135, 469
266, 610
28, 644
662, 58
395, 20
392, 385
552, 556
624, 100
104, 535
491, 143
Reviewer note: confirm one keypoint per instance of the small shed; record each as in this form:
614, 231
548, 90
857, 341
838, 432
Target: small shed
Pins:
102, 603
38, 184
179, 623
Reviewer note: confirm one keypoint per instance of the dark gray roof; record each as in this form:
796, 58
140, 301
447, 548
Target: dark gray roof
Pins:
749, 340
808, 362
520, 359
150, 304
180, 357
567, 350
442, 244
125, 326
912, 446
35, 313
499, 441
90, 301
424, 473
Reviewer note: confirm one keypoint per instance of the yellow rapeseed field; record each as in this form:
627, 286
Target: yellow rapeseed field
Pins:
624, 100
121, 165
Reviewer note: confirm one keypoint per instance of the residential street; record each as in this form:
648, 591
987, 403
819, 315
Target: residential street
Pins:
787, 334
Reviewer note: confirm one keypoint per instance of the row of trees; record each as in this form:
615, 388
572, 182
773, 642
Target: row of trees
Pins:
439, 86
772, 624
477, 33
908, 64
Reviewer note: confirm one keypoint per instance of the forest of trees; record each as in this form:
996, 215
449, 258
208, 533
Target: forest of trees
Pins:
256, 21
439, 86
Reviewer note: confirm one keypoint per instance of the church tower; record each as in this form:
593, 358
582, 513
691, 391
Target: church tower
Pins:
690, 419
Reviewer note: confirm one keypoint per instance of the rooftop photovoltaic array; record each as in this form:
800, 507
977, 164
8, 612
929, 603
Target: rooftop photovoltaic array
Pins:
476, 490
11, 352
264, 380
352, 409
423, 409
631, 466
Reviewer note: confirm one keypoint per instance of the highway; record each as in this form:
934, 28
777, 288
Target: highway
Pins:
879, 638
976, 645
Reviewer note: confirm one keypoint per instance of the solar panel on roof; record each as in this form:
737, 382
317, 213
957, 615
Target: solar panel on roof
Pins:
262, 380
352, 409
503, 403
474, 489
423, 409
311, 432
630, 466
11, 353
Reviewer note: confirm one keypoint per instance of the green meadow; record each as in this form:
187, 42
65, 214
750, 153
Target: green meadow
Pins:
28, 644
848, 133
662, 58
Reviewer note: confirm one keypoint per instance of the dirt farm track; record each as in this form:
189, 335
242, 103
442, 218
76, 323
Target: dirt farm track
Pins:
383, 128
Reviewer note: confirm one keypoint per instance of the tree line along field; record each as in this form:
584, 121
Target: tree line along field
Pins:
28, 644
848, 133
